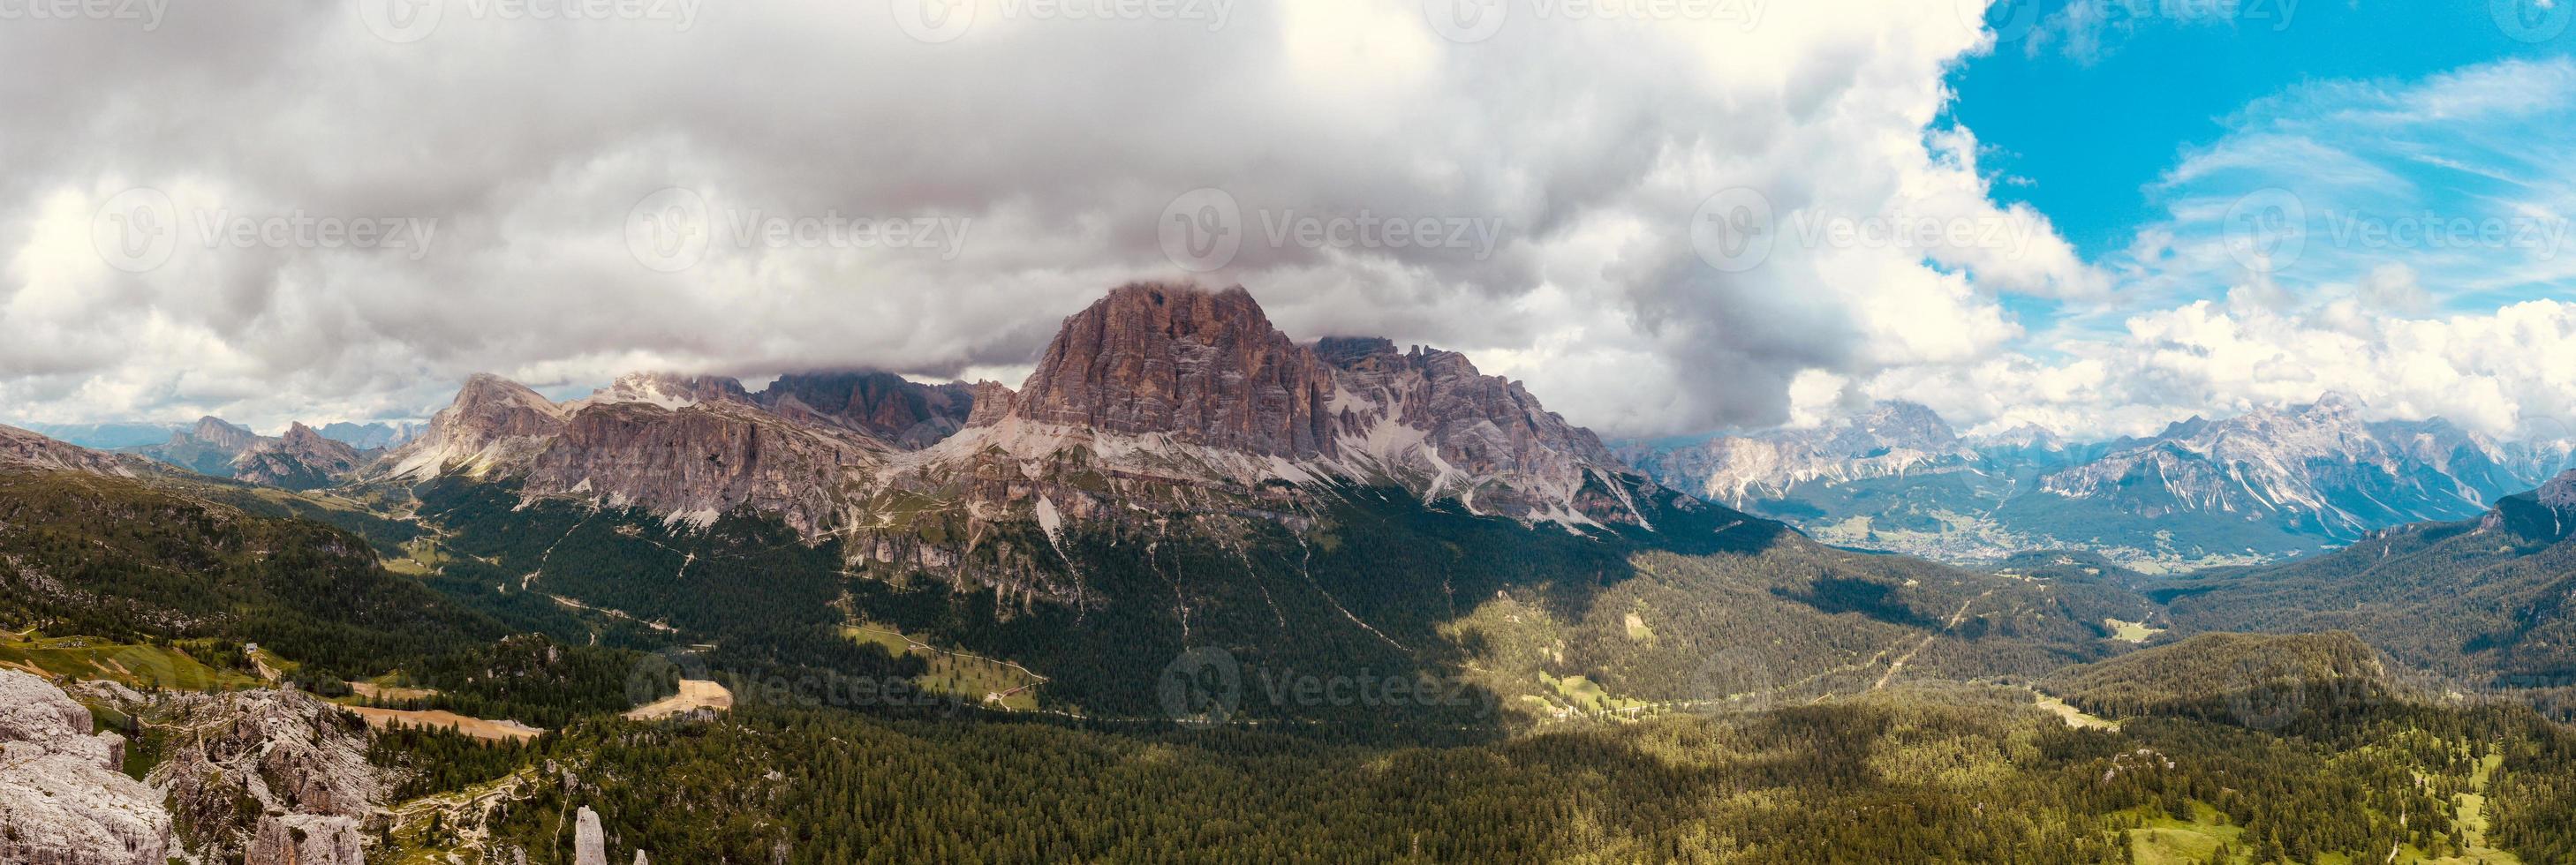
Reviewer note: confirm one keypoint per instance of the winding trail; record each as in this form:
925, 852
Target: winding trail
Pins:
1893, 667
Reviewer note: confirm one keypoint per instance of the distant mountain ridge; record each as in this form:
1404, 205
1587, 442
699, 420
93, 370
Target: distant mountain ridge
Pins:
2267, 484
301, 459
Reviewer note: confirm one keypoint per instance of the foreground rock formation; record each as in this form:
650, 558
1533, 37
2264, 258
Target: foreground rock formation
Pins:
64, 799
269, 776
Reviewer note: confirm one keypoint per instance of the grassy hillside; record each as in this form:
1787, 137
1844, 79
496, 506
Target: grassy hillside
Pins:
164, 582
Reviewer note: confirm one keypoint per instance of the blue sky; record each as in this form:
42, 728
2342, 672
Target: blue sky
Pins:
2084, 127
2087, 108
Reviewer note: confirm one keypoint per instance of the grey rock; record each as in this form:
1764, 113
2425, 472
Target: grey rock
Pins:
306, 839
589, 845
61, 797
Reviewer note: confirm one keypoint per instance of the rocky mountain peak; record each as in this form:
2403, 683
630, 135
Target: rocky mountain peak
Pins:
881, 404
1164, 376
302, 459
493, 422
2560, 493
671, 390
217, 432
22, 449
1202, 367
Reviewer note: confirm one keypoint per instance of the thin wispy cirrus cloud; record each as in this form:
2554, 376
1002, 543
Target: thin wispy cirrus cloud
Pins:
2404, 243
1665, 218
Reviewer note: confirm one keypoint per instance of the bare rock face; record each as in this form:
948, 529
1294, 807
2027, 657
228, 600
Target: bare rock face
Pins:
1431, 415
63, 800
494, 424
884, 405
589, 845
993, 400
2560, 493
20, 449
300, 460
1892, 438
244, 757
209, 448
1206, 368
702, 460
669, 390
1168, 381
306, 839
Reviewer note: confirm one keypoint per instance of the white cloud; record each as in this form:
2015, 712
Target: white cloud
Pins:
1060, 143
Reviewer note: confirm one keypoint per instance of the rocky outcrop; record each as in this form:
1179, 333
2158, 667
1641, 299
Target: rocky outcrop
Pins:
494, 425
210, 448
1429, 416
2560, 493
300, 460
1178, 384
1204, 368
20, 449
886, 406
703, 460
993, 401
306, 839
668, 390
240, 762
589, 845
64, 799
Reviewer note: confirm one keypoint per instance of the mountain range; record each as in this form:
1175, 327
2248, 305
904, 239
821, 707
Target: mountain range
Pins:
1180, 519
2266, 485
